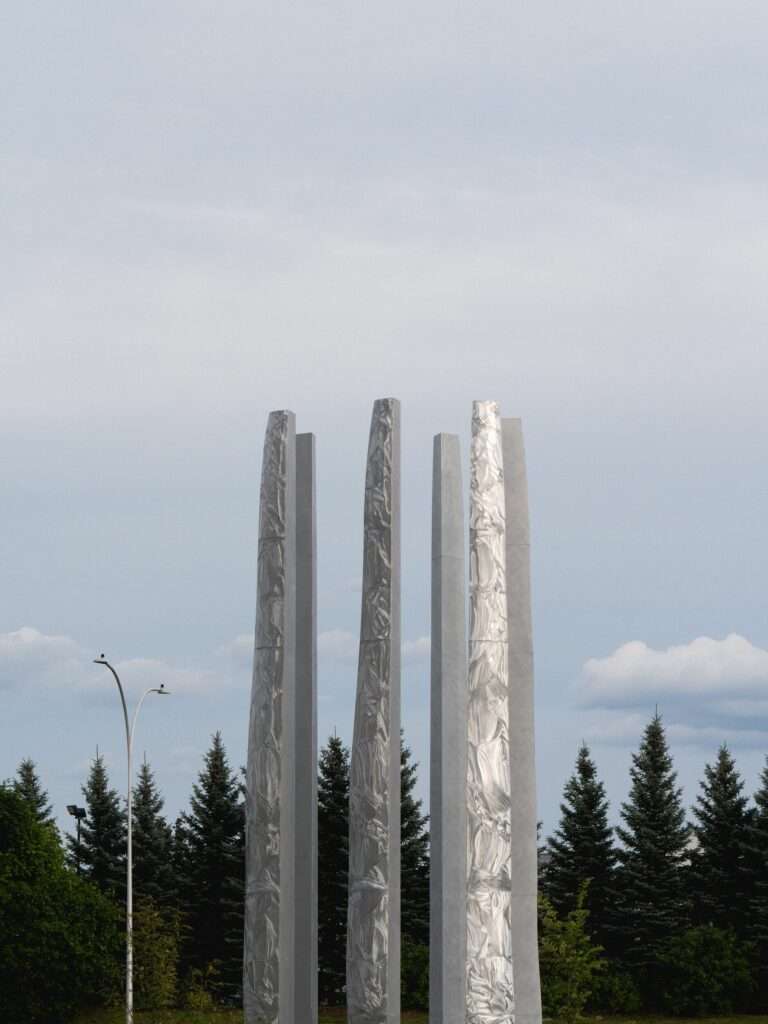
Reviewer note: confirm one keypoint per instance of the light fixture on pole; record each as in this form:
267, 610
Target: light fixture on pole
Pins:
78, 813
129, 730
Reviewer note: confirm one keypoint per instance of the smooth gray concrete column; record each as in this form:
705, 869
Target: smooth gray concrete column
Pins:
448, 740
305, 905
521, 730
373, 923
268, 981
490, 983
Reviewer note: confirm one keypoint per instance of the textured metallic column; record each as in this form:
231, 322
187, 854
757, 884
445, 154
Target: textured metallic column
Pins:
521, 732
373, 923
448, 740
268, 982
305, 971
490, 988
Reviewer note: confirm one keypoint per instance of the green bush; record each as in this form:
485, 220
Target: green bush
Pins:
200, 987
568, 960
60, 939
706, 971
614, 991
414, 976
155, 956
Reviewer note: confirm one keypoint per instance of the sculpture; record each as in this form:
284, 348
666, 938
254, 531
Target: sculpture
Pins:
373, 928
280, 948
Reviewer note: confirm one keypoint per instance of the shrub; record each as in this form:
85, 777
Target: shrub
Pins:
155, 956
706, 971
614, 991
568, 960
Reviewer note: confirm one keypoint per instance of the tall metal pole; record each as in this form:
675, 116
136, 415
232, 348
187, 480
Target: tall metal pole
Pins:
129, 729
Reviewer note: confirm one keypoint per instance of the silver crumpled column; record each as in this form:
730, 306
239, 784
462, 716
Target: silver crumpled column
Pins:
280, 948
490, 986
373, 924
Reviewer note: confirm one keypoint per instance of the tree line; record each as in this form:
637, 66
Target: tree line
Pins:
677, 910
654, 914
188, 883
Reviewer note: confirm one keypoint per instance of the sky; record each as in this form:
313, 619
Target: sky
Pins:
208, 211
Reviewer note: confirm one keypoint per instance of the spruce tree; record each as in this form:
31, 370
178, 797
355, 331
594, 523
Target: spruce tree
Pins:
720, 864
651, 893
27, 785
414, 856
153, 874
101, 853
757, 919
333, 868
582, 850
211, 856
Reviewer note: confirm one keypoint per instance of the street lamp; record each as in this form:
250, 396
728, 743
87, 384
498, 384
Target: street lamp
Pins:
129, 729
78, 813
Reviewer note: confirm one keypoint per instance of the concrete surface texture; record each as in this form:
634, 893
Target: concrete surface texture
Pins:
525, 947
448, 739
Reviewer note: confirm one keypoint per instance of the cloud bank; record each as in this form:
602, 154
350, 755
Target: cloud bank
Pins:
707, 689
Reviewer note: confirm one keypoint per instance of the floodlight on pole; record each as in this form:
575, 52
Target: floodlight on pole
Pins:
129, 731
78, 813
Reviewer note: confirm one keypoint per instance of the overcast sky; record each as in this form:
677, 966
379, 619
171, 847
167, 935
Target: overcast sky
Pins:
211, 210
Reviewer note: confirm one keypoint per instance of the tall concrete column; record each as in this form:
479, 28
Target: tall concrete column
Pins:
490, 985
305, 904
448, 740
373, 923
521, 730
268, 968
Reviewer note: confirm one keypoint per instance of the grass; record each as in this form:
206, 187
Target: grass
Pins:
208, 1017
338, 1017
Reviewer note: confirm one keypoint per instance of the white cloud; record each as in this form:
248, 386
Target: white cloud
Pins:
636, 673
337, 645
417, 650
30, 658
707, 690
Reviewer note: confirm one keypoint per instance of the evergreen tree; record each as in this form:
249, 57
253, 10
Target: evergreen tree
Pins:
651, 896
27, 785
414, 855
757, 918
211, 856
719, 865
582, 850
333, 868
101, 852
153, 874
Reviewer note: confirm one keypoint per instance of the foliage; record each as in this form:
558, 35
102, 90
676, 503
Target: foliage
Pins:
614, 991
414, 976
333, 865
414, 855
720, 864
706, 970
101, 852
651, 894
211, 861
153, 874
60, 939
757, 916
200, 987
582, 849
28, 785
155, 955
568, 959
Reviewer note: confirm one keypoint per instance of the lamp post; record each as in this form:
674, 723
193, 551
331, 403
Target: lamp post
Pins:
129, 730
78, 813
